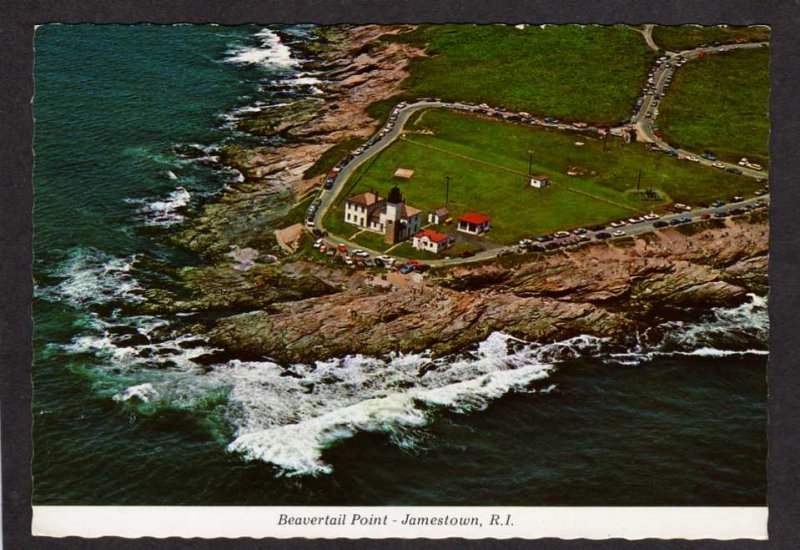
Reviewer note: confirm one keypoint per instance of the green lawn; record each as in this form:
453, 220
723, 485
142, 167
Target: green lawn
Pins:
721, 103
590, 73
684, 37
487, 161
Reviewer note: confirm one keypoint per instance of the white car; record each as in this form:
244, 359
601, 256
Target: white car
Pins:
617, 224
618, 232
561, 234
637, 219
317, 243
692, 158
651, 216
717, 164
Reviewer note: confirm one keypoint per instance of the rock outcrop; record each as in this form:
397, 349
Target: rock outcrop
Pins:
605, 289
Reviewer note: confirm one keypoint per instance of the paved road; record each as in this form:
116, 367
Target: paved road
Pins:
641, 121
647, 113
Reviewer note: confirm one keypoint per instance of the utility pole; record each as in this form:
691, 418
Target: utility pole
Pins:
530, 163
447, 190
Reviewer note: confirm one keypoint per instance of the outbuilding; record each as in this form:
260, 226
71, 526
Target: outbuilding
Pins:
439, 216
540, 181
474, 223
431, 241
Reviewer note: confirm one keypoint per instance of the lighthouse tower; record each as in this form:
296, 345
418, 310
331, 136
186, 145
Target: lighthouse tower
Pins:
392, 224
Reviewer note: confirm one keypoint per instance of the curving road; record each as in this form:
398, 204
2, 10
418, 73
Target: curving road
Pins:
642, 121
648, 112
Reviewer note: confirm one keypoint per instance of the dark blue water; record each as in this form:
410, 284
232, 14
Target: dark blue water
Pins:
122, 115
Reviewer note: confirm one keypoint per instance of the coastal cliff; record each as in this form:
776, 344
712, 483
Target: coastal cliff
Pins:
356, 69
611, 290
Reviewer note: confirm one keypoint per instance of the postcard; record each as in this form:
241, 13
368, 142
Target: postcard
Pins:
408, 280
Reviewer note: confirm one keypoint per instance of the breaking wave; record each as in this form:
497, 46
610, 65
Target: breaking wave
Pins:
270, 52
165, 212
288, 416
89, 276
289, 421
725, 332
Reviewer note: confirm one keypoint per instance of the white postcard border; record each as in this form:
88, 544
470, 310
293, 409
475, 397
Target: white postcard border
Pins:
326, 522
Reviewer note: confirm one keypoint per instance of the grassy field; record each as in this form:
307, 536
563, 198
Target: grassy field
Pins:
590, 74
684, 37
487, 161
721, 103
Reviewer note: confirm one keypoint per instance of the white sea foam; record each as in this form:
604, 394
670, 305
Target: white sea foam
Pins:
171, 175
89, 276
289, 416
166, 212
271, 52
289, 421
142, 392
725, 332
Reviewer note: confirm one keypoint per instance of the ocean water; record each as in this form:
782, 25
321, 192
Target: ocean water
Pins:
128, 121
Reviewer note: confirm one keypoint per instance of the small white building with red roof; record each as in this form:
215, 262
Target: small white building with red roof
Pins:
431, 241
474, 223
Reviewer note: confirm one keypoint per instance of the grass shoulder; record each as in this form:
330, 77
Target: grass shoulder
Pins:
721, 103
592, 180
684, 37
590, 73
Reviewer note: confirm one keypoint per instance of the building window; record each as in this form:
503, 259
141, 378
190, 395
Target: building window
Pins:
348, 216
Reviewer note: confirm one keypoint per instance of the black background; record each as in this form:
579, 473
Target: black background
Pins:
17, 21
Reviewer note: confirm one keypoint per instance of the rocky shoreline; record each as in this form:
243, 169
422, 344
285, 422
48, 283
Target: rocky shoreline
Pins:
300, 311
610, 290
356, 69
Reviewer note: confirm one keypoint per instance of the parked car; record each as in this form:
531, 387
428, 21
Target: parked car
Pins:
579, 231
705, 216
636, 219
544, 238
651, 216
721, 214
617, 224
717, 203
603, 235
708, 155
342, 248
598, 227
618, 233
561, 234
737, 198
406, 268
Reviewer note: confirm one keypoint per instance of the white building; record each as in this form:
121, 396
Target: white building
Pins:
431, 241
540, 181
438, 216
391, 216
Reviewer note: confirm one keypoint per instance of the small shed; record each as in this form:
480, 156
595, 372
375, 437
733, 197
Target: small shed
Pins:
403, 173
540, 181
474, 223
438, 216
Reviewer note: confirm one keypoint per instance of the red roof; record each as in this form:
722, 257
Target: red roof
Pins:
474, 218
434, 236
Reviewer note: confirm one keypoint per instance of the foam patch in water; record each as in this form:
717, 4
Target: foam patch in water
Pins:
89, 276
271, 52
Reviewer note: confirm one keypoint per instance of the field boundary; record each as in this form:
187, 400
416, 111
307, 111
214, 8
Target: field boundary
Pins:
602, 199
465, 157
